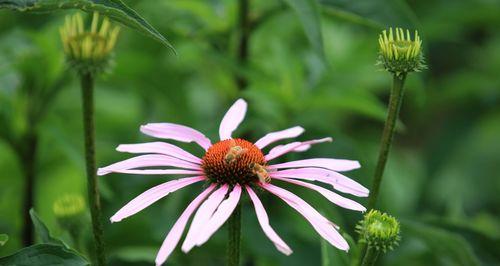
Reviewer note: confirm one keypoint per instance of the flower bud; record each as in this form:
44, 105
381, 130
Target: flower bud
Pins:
379, 230
88, 51
399, 54
70, 213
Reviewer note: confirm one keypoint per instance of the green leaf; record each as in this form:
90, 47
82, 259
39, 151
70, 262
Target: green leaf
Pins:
309, 16
447, 245
3, 239
114, 9
42, 230
374, 13
44, 254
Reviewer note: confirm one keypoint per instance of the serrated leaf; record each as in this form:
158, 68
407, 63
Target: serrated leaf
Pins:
44, 254
114, 9
42, 230
309, 15
3, 239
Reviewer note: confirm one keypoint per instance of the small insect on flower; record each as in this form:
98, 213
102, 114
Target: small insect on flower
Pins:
230, 167
261, 172
234, 152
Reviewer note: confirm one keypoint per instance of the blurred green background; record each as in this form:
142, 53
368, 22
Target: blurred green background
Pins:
442, 180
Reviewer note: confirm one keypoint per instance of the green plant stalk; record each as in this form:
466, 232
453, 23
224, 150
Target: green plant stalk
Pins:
234, 232
244, 27
87, 86
370, 257
395, 101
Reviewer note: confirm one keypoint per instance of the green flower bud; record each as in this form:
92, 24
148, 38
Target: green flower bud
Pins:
379, 230
399, 54
70, 212
88, 51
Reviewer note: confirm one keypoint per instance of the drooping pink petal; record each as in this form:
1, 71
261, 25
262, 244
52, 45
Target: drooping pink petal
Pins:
152, 195
205, 211
161, 148
328, 163
149, 160
338, 181
175, 233
330, 195
232, 119
161, 172
176, 132
264, 224
280, 150
323, 226
279, 135
220, 216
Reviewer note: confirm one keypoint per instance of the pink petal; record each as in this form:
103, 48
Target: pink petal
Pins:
175, 233
176, 132
279, 135
161, 148
323, 226
332, 164
280, 150
338, 181
152, 195
232, 119
264, 224
331, 196
220, 216
160, 172
149, 160
202, 216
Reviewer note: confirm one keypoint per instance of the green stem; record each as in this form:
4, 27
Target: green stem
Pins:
395, 101
87, 84
370, 257
243, 40
233, 244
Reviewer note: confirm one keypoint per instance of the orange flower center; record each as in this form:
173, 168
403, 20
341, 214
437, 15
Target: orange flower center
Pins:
233, 161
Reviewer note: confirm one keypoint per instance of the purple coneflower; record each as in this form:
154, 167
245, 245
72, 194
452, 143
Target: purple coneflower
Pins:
230, 167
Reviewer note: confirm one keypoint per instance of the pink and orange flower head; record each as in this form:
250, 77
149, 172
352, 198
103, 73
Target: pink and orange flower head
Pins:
233, 166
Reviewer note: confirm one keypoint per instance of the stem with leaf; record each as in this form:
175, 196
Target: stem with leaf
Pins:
87, 86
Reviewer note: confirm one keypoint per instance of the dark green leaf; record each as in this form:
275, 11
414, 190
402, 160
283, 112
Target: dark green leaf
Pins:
309, 15
447, 244
3, 239
374, 13
43, 231
44, 254
114, 9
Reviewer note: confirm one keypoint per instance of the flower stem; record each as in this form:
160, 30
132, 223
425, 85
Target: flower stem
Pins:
233, 244
370, 257
243, 39
395, 101
28, 157
87, 85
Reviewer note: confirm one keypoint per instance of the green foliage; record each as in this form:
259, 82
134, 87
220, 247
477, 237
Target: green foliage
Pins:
43, 232
3, 239
114, 9
446, 245
308, 12
44, 254
442, 171
52, 251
